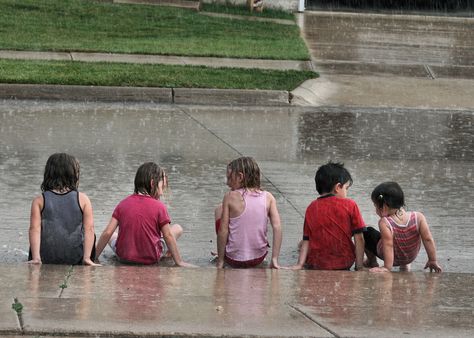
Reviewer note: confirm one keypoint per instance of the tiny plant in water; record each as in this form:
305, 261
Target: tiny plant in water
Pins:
63, 285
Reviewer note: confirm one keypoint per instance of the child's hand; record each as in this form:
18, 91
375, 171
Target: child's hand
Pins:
274, 264
434, 266
379, 269
186, 265
35, 261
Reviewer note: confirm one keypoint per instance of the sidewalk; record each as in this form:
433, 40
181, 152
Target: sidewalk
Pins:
158, 95
341, 88
174, 302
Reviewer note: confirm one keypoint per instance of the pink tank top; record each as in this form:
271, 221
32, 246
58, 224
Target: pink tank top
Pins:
406, 240
248, 231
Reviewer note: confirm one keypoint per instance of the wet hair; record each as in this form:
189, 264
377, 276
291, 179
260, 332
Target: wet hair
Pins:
61, 173
145, 174
249, 169
389, 193
329, 175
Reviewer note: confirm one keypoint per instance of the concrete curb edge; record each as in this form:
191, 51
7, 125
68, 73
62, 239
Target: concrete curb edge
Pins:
145, 94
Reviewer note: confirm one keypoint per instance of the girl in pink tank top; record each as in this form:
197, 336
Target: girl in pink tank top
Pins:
401, 233
241, 220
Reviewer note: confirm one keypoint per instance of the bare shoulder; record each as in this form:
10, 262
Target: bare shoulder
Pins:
270, 197
419, 216
383, 223
38, 201
84, 199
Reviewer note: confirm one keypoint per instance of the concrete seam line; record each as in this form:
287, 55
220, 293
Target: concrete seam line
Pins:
313, 320
240, 154
430, 72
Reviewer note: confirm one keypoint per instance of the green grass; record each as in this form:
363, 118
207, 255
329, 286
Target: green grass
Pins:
78, 25
244, 10
146, 75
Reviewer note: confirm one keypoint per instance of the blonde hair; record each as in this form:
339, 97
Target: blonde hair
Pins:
249, 169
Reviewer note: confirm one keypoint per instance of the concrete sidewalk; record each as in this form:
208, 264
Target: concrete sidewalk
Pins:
213, 62
158, 95
343, 88
174, 302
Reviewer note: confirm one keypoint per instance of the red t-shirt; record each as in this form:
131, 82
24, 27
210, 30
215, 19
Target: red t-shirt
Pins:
140, 219
329, 225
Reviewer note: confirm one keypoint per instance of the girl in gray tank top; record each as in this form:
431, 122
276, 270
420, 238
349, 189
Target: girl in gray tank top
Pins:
61, 224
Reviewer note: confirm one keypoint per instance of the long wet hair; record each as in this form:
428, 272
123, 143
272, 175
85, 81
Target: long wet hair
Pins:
389, 193
249, 169
145, 174
61, 173
330, 174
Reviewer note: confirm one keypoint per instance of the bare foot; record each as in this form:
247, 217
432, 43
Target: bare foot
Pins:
371, 263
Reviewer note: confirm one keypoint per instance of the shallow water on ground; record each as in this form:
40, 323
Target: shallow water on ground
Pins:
430, 153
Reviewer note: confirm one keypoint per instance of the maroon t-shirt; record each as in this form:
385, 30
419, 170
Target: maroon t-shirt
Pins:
329, 225
140, 219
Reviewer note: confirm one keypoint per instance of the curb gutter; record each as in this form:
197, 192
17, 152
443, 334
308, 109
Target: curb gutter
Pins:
200, 96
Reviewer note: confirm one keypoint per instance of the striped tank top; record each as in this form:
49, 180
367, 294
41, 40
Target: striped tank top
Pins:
406, 240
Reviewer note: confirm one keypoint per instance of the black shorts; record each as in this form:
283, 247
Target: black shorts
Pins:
371, 238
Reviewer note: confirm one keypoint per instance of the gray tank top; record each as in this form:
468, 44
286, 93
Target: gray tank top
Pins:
62, 233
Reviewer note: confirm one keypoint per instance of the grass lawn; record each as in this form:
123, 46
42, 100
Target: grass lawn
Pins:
84, 25
140, 75
92, 26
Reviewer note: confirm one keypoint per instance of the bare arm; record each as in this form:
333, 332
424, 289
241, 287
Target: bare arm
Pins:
105, 236
35, 230
88, 222
277, 234
428, 243
223, 234
387, 241
172, 246
359, 250
304, 248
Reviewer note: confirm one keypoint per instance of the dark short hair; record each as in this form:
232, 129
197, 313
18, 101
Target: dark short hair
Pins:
249, 169
329, 175
61, 172
145, 174
389, 193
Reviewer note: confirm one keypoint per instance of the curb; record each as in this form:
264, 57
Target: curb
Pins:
199, 96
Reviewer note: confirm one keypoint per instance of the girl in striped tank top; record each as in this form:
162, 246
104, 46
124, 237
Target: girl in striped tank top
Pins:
401, 233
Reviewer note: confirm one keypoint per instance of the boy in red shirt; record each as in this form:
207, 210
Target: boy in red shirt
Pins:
330, 223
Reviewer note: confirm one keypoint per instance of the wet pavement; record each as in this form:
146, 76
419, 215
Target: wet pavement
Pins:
379, 60
176, 302
402, 45
429, 151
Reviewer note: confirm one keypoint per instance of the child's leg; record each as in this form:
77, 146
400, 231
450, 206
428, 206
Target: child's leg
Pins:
176, 231
371, 238
113, 241
406, 267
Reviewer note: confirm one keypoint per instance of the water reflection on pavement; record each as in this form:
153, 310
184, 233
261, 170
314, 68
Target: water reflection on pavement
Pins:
430, 153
